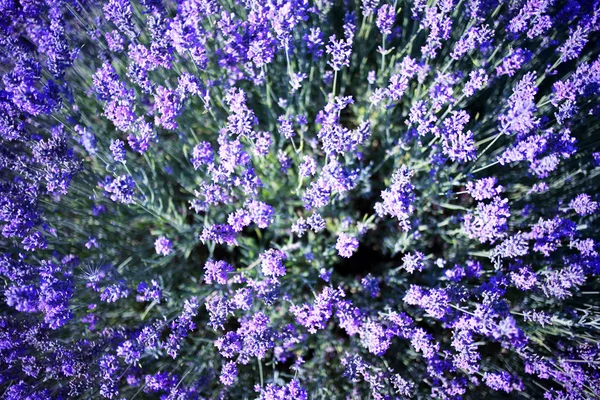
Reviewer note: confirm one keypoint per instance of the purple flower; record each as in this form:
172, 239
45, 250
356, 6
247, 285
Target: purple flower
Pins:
262, 142
398, 198
583, 205
285, 127
130, 351
300, 227
315, 316
242, 300
229, 344
284, 161
115, 41
537, 317
144, 134
371, 77
314, 42
548, 234
149, 293
477, 80
292, 390
87, 139
512, 247
121, 189
181, 326
413, 261
483, 189
34, 241
161, 381
308, 166
439, 23
385, 19
471, 39
163, 246
296, 80
202, 155
272, 262
513, 62
355, 366
531, 18
239, 219
117, 147
467, 358
488, 222
114, 292
241, 118
316, 222
350, 317
374, 337
219, 234
520, 117
218, 308
228, 373
216, 271
559, 283
257, 336
371, 285
346, 245
423, 342
340, 51
434, 301
335, 137
587, 247
498, 381
458, 145
323, 273
168, 105
368, 6
574, 44
401, 386
260, 213
119, 12
22, 298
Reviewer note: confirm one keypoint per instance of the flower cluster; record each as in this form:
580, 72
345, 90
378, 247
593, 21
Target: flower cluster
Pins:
299, 199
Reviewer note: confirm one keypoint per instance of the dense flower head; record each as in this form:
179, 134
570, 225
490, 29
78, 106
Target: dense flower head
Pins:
346, 245
413, 261
163, 246
520, 118
202, 155
228, 373
272, 262
583, 205
121, 189
477, 80
216, 271
371, 285
117, 147
488, 222
339, 51
385, 18
292, 390
484, 188
457, 144
397, 200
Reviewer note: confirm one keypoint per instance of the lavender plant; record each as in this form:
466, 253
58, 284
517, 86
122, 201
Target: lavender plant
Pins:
295, 199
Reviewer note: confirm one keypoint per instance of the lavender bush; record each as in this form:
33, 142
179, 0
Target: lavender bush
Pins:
294, 199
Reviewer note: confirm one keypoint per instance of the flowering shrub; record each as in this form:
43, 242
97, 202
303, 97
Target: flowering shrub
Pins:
299, 199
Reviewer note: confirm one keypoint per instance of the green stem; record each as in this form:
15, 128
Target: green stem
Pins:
334, 83
383, 55
260, 369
